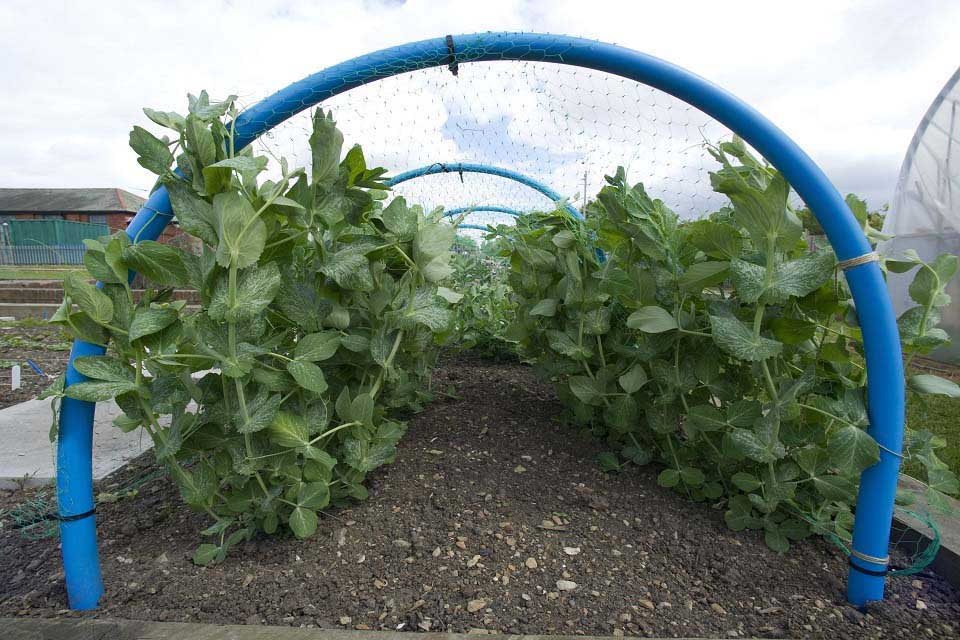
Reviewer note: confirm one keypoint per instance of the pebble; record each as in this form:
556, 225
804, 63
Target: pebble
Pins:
921, 605
520, 469
476, 605
571, 551
472, 562
531, 563
718, 609
648, 604
403, 544
566, 585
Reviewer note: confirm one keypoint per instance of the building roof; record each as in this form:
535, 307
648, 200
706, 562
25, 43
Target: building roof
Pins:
69, 201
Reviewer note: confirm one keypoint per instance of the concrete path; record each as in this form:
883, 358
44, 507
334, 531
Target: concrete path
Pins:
78, 629
27, 455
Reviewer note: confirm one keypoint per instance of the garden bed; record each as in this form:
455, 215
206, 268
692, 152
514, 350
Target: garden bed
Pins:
43, 344
494, 517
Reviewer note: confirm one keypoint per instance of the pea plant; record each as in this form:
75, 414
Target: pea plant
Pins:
724, 349
319, 309
486, 310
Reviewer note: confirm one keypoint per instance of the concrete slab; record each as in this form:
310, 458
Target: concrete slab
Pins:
28, 457
80, 629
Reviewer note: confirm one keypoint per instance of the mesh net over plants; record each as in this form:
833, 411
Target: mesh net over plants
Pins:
562, 126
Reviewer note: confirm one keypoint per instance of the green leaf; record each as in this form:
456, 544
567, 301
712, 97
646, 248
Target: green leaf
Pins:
91, 300
107, 368
587, 390
776, 540
763, 213
289, 430
449, 295
794, 278
702, 275
852, 450
303, 522
933, 385
350, 269
168, 119
206, 554
432, 239
313, 495
564, 239
256, 289
316, 347
930, 282
652, 320
154, 156
151, 320
242, 235
546, 307
834, 487
400, 219
194, 214
261, 412
308, 375
738, 340
98, 391
745, 481
200, 140
706, 418
668, 478
608, 461
161, 263
716, 239
634, 379
326, 145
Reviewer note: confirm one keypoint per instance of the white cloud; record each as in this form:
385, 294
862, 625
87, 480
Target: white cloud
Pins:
848, 80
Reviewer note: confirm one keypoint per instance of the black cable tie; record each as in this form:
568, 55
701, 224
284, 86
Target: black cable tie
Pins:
451, 57
869, 572
79, 516
461, 175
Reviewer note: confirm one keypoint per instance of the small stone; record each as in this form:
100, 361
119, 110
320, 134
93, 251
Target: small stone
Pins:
566, 585
552, 595
461, 545
519, 469
664, 605
162, 558
526, 597
647, 604
625, 617
718, 609
247, 580
401, 543
379, 584
362, 627
819, 604
436, 552
916, 584
921, 605
345, 620
571, 551
531, 563
476, 605
472, 562
425, 625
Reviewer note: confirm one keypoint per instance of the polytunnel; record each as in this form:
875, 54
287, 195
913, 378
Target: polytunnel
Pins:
925, 215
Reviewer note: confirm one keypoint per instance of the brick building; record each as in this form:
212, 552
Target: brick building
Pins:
112, 207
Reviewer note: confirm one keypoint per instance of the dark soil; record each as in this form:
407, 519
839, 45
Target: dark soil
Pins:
44, 345
490, 504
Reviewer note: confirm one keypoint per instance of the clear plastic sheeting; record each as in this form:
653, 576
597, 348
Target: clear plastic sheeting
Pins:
563, 126
925, 216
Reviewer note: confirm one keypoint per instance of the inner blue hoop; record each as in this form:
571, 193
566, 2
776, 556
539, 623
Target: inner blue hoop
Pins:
874, 512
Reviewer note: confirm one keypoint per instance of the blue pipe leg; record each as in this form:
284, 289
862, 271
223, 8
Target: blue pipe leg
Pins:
878, 484
78, 538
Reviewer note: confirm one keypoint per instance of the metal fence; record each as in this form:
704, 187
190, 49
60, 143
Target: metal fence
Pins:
51, 232
42, 254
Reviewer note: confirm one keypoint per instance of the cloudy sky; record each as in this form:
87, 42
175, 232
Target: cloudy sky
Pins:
849, 81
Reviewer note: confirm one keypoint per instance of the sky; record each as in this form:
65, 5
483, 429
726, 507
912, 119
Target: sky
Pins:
848, 81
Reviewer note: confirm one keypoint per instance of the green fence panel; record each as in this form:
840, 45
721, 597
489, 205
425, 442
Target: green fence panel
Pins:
52, 232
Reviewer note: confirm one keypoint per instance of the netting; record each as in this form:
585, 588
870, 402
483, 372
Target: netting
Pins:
563, 126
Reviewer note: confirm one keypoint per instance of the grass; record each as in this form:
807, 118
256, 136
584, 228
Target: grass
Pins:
38, 272
939, 415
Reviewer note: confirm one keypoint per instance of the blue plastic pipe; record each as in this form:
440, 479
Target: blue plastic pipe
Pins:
466, 167
449, 213
478, 227
871, 535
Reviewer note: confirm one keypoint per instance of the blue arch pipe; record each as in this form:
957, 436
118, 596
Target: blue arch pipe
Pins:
874, 513
478, 227
449, 213
466, 167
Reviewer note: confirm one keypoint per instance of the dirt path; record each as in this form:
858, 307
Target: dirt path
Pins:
494, 517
